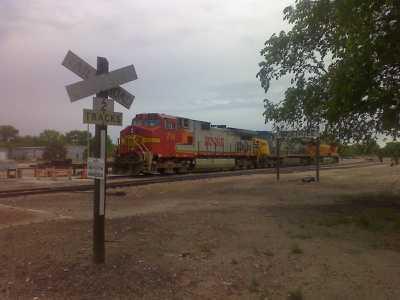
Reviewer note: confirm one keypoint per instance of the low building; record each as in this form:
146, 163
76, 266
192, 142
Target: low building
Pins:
76, 153
27, 153
3, 154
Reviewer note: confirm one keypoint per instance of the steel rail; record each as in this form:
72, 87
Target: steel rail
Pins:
170, 178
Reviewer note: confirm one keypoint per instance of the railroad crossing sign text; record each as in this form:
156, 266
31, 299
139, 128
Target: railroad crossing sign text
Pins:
102, 117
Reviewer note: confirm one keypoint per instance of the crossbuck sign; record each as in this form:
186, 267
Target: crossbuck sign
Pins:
92, 84
104, 84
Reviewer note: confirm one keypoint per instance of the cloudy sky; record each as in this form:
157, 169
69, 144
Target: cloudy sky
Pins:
194, 58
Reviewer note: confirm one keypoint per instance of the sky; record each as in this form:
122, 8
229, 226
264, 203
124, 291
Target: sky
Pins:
194, 58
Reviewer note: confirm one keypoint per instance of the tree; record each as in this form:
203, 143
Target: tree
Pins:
368, 147
109, 146
342, 59
77, 137
55, 150
50, 136
7, 133
392, 149
26, 141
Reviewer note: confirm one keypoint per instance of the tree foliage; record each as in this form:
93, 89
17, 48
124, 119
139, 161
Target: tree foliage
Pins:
9, 138
77, 137
368, 147
392, 149
342, 60
8, 133
50, 136
109, 146
55, 150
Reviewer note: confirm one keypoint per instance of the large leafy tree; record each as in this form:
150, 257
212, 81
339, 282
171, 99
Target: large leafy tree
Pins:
342, 58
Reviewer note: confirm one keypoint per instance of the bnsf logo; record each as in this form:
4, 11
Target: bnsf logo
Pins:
214, 141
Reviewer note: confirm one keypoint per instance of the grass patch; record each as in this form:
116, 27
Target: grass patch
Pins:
301, 236
254, 285
295, 249
268, 253
296, 294
372, 212
371, 219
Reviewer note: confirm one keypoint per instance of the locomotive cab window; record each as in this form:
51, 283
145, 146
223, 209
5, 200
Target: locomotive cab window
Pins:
169, 124
185, 123
137, 122
152, 123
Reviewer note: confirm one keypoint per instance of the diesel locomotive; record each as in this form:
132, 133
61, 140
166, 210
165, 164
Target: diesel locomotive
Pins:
156, 142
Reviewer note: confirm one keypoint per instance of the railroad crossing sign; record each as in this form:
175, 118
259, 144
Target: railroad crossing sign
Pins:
103, 104
104, 84
100, 83
102, 117
92, 84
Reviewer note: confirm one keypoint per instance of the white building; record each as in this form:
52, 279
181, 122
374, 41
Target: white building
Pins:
75, 152
3, 154
27, 153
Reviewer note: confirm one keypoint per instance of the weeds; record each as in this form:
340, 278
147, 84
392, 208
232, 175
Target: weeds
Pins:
254, 285
295, 249
376, 219
301, 236
295, 295
372, 212
268, 253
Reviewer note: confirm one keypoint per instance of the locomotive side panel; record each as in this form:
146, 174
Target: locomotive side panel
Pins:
220, 142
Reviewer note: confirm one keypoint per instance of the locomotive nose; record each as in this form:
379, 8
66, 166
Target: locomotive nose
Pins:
143, 137
140, 131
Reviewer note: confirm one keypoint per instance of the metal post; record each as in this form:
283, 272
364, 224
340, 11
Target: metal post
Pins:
100, 184
278, 159
88, 142
317, 157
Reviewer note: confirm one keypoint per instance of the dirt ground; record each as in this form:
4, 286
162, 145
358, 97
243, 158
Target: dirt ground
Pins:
245, 237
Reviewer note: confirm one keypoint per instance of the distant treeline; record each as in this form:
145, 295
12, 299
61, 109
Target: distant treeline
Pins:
371, 147
53, 140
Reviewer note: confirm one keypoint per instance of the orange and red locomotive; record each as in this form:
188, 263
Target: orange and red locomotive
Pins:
164, 143
169, 144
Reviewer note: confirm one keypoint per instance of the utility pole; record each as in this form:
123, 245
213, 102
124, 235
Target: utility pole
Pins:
317, 157
278, 159
100, 184
88, 142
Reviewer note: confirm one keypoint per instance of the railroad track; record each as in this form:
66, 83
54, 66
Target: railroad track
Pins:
143, 180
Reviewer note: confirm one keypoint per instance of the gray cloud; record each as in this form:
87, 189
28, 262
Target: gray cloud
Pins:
194, 58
